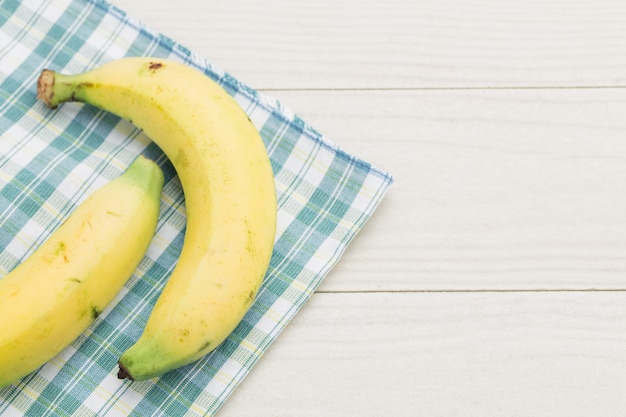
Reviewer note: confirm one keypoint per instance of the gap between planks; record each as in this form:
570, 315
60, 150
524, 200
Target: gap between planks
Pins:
461, 88
493, 290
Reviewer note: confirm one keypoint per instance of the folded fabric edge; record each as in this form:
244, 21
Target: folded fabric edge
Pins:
231, 83
383, 179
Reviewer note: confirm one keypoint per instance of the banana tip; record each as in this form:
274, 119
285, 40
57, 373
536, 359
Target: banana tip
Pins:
123, 373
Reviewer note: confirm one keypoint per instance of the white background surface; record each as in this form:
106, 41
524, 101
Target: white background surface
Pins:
491, 280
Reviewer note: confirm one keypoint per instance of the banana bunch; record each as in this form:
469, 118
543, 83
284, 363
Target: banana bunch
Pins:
57, 292
229, 193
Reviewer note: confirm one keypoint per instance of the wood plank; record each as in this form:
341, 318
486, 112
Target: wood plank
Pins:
401, 43
494, 189
444, 354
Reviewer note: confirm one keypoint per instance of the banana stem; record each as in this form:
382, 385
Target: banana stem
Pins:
54, 88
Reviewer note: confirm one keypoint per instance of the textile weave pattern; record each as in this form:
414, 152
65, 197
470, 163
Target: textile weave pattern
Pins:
50, 161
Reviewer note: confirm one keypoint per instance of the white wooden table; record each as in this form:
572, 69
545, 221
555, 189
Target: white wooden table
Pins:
491, 280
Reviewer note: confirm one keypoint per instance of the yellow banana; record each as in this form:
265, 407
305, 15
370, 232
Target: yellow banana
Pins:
51, 298
229, 193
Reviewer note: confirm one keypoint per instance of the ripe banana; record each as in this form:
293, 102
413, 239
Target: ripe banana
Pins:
229, 193
53, 296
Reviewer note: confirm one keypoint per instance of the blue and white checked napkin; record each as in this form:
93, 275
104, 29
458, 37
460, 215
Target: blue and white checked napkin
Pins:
51, 161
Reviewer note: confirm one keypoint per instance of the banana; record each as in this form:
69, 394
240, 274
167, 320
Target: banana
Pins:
230, 200
57, 292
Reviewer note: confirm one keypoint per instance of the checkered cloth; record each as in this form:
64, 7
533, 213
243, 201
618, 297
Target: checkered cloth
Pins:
50, 161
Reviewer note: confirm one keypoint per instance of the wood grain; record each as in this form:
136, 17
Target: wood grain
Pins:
446, 354
500, 190
401, 43
473, 289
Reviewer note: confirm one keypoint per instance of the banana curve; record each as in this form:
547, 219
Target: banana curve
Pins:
58, 291
229, 197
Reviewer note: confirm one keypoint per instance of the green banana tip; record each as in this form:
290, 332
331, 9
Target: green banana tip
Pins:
147, 174
123, 373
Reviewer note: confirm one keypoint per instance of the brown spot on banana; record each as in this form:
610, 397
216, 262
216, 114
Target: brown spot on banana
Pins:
181, 159
95, 312
150, 68
249, 298
62, 251
204, 346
